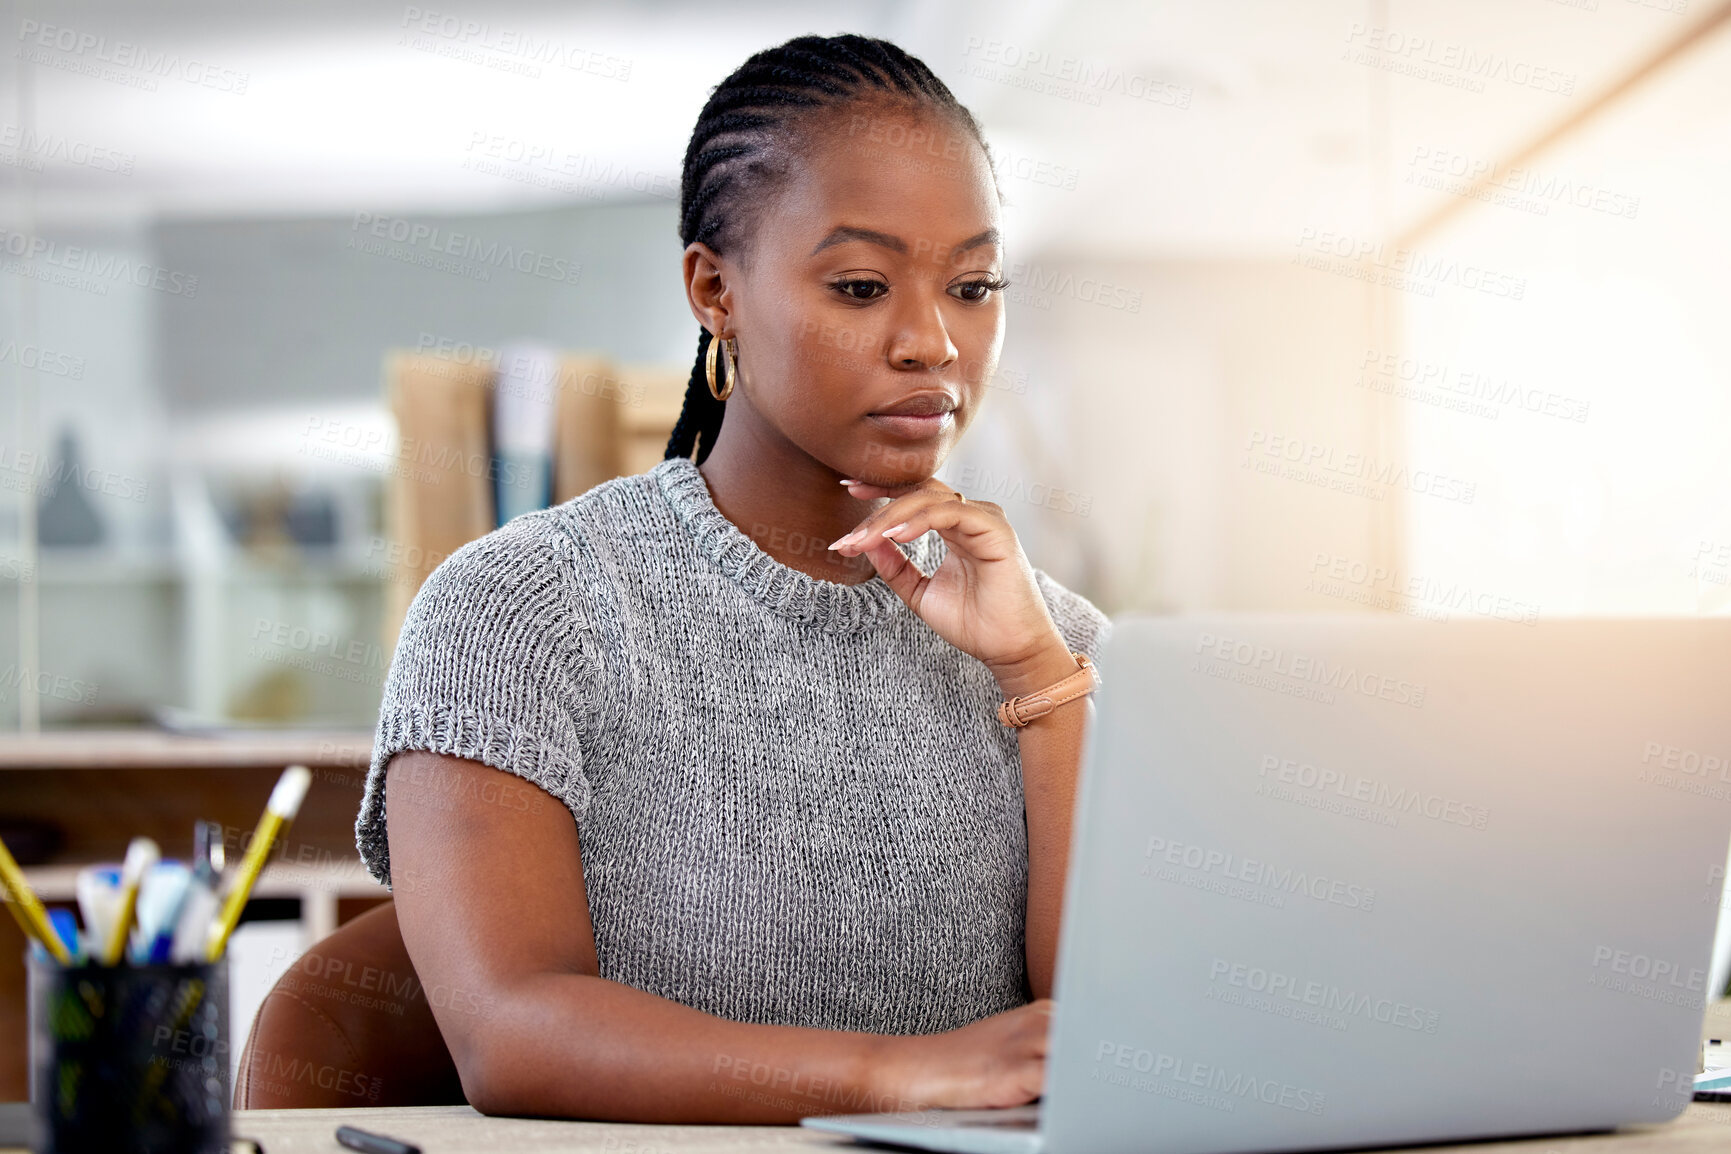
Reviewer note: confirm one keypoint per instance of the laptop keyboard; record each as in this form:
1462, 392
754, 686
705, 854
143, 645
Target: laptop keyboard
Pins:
1009, 1120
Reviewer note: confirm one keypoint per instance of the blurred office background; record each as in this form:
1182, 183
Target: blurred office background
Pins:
1333, 305
1360, 305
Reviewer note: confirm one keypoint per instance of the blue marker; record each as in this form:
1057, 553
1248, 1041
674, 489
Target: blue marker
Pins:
159, 905
66, 928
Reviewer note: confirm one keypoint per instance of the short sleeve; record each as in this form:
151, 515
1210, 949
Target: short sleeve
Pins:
494, 664
1083, 626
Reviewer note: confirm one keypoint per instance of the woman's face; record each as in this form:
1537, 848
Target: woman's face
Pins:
868, 310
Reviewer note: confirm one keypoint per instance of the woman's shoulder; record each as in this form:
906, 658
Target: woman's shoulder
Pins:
556, 542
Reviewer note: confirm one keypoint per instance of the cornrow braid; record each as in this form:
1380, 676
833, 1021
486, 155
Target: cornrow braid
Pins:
731, 164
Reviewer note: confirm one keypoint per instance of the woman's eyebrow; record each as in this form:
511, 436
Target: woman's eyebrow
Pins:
844, 233
990, 236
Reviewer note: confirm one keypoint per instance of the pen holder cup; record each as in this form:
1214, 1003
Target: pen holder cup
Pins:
130, 1059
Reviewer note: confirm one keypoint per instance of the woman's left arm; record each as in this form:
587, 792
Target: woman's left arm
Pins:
1051, 763
984, 600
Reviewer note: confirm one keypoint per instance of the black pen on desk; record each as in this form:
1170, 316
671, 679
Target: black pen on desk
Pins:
373, 1143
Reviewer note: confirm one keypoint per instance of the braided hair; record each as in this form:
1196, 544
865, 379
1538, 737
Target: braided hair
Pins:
732, 161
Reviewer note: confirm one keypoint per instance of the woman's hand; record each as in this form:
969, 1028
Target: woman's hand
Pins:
994, 1062
982, 599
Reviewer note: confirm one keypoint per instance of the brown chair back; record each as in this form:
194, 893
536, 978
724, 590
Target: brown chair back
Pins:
348, 1025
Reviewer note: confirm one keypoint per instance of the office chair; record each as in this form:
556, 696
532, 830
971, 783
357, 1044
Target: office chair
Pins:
348, 1025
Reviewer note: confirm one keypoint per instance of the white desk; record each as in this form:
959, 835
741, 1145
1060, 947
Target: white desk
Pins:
1702, 1129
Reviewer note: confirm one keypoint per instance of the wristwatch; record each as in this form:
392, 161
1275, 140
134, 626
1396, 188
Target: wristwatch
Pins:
1018, 711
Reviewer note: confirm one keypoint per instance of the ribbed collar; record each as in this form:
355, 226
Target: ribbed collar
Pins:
826, 605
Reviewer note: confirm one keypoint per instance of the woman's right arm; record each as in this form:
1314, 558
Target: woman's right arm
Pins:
490, 898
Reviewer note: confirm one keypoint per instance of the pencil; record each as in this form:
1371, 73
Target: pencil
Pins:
27, 908
285, 802
141, 855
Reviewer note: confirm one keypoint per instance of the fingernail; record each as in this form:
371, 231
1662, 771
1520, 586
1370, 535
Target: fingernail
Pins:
893, 530
847, 540
849, 481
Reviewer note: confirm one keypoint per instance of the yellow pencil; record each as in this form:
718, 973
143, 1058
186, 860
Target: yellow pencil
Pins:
141, 855
285, 802
27, 908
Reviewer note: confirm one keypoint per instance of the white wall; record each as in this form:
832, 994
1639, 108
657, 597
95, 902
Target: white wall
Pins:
1619, 234
1148, 412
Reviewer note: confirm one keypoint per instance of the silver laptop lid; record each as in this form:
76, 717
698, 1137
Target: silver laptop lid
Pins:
1353, 881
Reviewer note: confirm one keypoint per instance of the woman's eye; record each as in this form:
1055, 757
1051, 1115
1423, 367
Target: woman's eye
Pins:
862, 290
977, 291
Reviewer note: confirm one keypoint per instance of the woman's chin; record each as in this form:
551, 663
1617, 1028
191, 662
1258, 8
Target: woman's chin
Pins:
893, 464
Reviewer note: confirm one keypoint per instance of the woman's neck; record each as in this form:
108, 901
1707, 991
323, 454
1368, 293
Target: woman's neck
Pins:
791, 505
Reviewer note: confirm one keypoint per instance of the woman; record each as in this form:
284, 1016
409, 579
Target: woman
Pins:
698, 825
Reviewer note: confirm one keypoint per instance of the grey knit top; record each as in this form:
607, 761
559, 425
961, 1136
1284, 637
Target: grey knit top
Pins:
794, 801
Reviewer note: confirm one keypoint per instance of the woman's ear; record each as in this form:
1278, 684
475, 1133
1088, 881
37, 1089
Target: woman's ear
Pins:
707, 290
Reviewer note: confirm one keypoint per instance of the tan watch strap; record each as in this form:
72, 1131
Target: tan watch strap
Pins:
1018, 711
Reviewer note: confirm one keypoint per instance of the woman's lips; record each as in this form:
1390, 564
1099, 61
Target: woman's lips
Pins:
914, 428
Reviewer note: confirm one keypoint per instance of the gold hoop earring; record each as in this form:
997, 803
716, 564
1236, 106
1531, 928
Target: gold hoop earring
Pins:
731, 371
728, 349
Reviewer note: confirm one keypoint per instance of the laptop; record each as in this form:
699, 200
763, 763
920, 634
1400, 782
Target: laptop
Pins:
1365, 881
